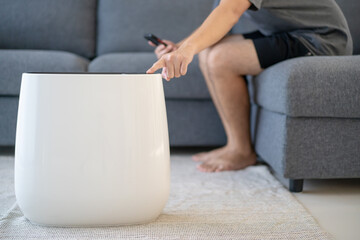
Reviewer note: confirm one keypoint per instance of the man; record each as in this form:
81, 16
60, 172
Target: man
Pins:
287, 29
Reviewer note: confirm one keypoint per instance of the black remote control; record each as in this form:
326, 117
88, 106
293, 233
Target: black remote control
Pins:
154, 39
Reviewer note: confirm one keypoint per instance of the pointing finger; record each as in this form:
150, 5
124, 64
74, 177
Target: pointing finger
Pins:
156, 66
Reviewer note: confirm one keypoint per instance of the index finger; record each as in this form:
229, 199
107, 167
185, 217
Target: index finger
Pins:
151, 44
156, 66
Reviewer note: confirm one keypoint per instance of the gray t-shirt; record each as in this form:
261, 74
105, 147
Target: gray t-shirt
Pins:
319, 24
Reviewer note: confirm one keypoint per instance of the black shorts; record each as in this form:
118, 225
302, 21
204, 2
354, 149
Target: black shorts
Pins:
276, 48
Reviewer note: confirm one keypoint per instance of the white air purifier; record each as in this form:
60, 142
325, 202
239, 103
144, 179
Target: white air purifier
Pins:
91, 149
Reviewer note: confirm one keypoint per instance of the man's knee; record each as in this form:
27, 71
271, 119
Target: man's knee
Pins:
216, 51
229, 58
217, 58
203, 55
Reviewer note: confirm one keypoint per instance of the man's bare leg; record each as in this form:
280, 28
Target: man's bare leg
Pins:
203, 56
227, 62
203, 64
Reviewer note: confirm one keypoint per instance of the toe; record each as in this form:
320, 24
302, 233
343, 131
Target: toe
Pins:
206, 167
199, 157
220, 168
201, 167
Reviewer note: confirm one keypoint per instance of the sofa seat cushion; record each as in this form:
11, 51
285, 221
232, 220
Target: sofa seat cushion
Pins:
310, 87
64, 25
192, 85
14, 62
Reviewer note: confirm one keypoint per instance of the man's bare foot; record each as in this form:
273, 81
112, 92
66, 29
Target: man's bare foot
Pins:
227, 161
206, 156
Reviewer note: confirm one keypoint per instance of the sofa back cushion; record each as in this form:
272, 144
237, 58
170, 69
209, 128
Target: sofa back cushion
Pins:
67, 25
122, 23
351, 9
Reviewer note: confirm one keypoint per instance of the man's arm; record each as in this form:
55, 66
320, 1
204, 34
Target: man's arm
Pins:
182, 41
216, 25
213, 29
229, 4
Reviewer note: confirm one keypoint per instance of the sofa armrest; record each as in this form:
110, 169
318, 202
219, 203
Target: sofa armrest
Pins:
321, 86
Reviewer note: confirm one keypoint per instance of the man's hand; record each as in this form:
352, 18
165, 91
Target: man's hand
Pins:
161, 49
174, 64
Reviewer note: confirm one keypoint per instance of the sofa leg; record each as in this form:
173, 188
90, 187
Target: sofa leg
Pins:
296, 185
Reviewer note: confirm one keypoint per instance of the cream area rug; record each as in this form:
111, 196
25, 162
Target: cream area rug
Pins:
247, 204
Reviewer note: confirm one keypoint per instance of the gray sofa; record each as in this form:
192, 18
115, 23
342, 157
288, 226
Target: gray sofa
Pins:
104, 36
305, 112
